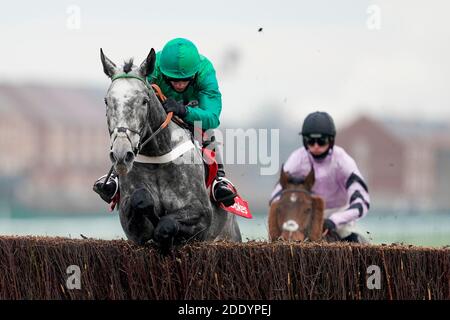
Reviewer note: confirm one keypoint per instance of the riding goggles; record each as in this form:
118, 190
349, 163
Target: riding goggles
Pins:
322, 141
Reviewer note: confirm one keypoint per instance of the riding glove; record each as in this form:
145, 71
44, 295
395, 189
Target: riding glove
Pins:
177, 108
328, 225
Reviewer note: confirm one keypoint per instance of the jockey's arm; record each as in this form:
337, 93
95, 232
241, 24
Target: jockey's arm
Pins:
209, 103
358, 199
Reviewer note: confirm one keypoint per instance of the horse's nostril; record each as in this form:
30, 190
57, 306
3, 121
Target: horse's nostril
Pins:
129, 157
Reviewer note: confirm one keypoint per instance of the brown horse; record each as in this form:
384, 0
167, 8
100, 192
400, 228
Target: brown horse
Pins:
298, 214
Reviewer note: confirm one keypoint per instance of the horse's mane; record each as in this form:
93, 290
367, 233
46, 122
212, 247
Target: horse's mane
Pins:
128, 65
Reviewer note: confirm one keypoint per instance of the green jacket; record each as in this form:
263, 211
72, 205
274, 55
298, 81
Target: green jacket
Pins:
202, 95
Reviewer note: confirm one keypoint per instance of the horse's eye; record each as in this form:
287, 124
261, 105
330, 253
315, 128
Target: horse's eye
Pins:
144, 101
106, 101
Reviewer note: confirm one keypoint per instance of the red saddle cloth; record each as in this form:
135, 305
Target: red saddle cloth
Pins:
240, 206
209, 157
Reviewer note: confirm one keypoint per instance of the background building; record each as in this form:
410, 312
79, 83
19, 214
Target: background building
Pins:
406, 164
54, 142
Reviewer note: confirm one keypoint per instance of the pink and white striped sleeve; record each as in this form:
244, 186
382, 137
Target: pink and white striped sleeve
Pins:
358, 198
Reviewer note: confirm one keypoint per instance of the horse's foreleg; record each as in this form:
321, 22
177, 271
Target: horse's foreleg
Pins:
181, 226
139, 217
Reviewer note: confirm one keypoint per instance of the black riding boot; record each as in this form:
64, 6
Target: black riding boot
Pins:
223, 190
109, 190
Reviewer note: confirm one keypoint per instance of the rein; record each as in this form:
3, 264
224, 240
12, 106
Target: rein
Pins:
166, 122
283, 191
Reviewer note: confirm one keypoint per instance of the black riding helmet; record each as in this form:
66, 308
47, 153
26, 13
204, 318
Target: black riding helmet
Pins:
319, 125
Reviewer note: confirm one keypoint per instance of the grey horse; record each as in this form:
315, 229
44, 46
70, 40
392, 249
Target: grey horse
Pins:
168, 201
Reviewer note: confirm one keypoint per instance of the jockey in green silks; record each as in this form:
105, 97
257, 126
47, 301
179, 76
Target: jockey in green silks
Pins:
189, 82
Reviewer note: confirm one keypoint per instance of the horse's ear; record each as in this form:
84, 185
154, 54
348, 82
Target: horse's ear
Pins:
108, 66
284, 178
309, 180
148, 65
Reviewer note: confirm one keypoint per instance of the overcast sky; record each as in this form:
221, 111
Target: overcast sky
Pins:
389, 58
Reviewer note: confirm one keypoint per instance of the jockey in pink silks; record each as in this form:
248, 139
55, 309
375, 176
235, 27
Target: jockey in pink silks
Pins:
337, 178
